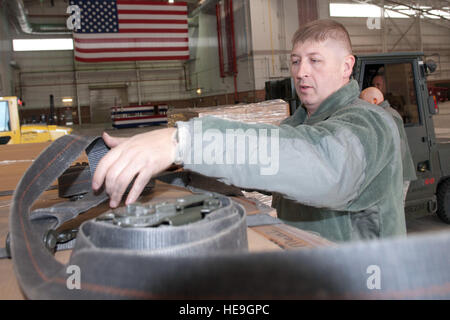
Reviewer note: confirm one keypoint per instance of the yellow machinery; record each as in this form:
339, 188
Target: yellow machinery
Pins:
11, 132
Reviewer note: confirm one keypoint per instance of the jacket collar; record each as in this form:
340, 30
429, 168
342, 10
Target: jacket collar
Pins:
341, 98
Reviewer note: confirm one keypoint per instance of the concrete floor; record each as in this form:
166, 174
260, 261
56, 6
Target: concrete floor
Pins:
428, 223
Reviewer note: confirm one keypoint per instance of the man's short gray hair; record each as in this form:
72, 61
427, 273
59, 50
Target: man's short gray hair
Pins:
321, 30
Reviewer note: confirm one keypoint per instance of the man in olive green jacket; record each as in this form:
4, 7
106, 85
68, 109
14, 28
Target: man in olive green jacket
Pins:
336, 162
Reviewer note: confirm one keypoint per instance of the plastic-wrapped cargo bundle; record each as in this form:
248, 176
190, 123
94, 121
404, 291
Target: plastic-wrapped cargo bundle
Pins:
270, 112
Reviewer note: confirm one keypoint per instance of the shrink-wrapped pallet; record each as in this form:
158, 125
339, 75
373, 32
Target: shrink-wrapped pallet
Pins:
270, 112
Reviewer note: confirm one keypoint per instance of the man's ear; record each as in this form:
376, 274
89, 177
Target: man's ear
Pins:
349, 62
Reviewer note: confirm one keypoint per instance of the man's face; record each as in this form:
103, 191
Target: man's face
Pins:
378, 82
319, 69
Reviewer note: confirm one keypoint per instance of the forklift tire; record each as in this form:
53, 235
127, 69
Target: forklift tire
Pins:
443, 198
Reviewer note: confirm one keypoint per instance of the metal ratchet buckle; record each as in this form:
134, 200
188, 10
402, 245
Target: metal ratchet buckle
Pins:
175, 213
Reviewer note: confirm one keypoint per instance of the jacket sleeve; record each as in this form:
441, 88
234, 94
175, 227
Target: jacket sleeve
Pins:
324, 165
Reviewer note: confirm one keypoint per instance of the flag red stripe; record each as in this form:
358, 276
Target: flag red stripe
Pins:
130, 59
153, 30
158, 3
119, 40
155, 21
100, 50
123, 11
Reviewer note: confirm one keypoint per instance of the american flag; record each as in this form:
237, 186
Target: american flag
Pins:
124, 30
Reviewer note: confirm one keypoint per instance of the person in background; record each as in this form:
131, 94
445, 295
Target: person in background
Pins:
397, 102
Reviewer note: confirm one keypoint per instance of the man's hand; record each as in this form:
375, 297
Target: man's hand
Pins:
141, 156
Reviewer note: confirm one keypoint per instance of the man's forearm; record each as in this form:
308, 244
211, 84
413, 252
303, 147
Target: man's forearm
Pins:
273, 158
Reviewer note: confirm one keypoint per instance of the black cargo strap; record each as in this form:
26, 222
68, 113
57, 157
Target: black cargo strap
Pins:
32, 235
398, 268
